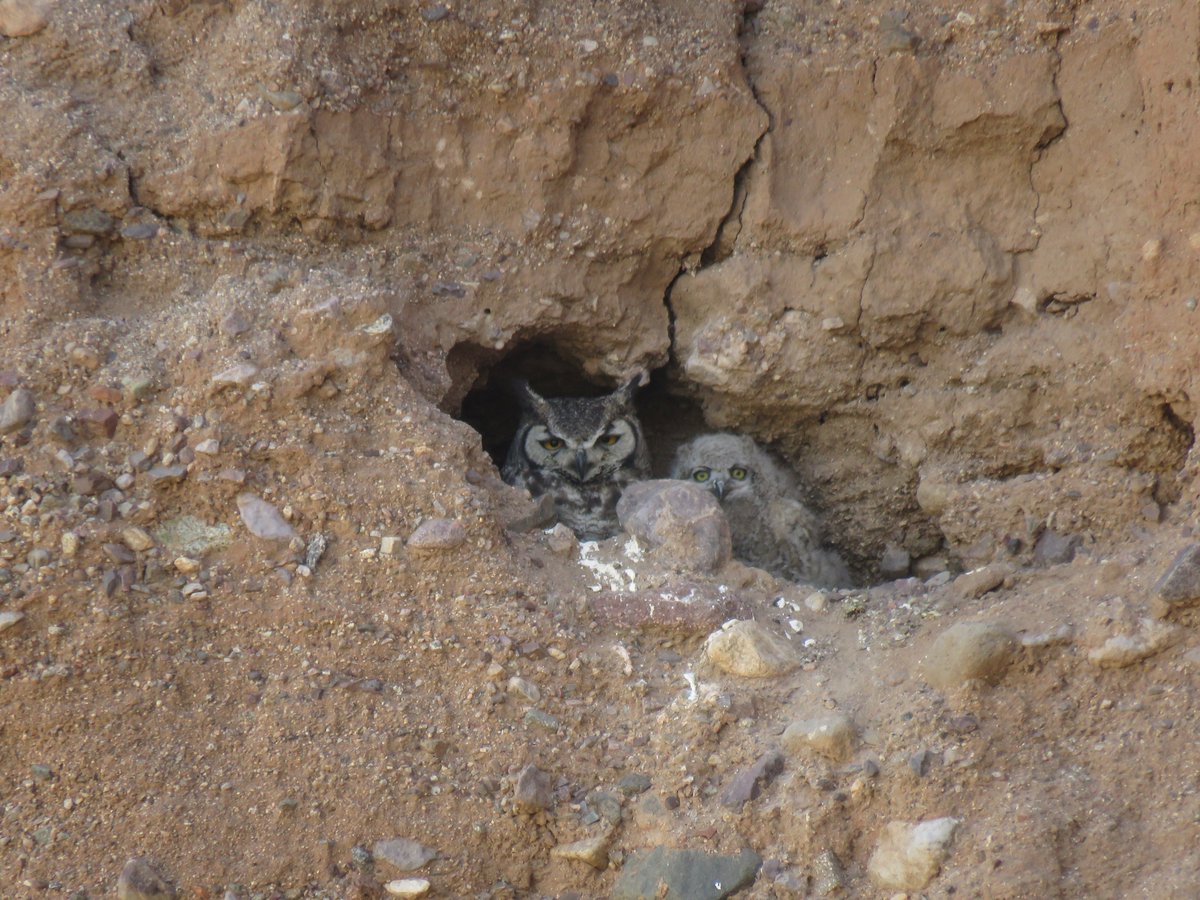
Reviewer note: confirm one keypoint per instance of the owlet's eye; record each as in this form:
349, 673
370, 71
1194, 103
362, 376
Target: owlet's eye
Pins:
552, 443
701, 474
609, 439
737, 473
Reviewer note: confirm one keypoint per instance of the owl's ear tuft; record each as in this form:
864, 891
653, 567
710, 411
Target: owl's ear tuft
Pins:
527, 398
623, 396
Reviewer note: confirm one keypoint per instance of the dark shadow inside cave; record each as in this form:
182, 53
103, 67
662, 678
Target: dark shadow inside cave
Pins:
667, 418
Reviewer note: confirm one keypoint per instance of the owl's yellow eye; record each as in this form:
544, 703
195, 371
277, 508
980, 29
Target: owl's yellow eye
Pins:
552, 443
701, 474
737, 473
609, 439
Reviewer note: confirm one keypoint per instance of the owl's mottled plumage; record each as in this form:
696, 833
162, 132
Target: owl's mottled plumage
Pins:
772, 528
582, 451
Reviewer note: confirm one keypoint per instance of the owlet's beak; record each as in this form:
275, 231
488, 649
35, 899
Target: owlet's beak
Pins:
718, 488
581, 463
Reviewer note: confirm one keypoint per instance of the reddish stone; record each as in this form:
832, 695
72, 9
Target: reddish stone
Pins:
103, 393
99, 421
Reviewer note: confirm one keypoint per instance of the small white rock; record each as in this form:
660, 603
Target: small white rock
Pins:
390, 545
209, 447
588, 45
408, 887
8, 618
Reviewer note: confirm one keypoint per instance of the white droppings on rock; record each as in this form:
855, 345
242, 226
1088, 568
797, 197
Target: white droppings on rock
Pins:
907, 857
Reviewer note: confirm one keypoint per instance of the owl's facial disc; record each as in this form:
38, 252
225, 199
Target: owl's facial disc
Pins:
581, 460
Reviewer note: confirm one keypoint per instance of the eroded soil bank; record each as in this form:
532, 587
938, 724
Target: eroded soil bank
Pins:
944, 261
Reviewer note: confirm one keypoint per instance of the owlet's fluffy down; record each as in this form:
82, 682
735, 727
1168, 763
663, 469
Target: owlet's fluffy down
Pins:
772, 528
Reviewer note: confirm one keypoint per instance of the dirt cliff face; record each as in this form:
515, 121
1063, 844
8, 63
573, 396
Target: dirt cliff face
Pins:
943, 261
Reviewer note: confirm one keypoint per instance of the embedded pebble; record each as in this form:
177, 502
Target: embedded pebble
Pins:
136, 538
435, 13
749, 782
239, 375
969, 650
593, 851
69, 543
209, 447
978, 582
833, 736
16, 410
140, 881
438, 534
263, 519
532, 791
406, 855
1180, 584
681, 874
408, 887
21, 18
907, 857
9, 618
527, 690
1120, 650
748, 649
185, 565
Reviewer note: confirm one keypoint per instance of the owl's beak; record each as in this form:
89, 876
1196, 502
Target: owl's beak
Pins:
581, 463
718, 488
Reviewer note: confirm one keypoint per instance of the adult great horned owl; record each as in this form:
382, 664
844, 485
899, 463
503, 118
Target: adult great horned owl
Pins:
582, 451
772, 529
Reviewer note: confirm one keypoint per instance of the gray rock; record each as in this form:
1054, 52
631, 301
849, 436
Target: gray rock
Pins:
633, 783
315, 550
167, 474
140, 881
829, 877
435, 13
1054, 549
406, 855
895, 563
263, 519
141, 231
16, 410
1180, 584
969, 650
88, 221
683, 521
668, 874
749, 782
438, 534
532, 791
